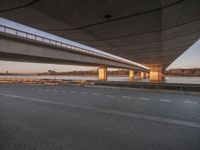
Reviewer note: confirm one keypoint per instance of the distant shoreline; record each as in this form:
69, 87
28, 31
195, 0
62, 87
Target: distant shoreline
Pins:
18, 74
194, 72
91, 75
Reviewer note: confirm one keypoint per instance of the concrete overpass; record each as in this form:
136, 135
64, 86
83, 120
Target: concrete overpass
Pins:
22, 46
151, 32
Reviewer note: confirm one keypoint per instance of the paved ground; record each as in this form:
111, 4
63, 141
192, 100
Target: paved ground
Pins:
42, 117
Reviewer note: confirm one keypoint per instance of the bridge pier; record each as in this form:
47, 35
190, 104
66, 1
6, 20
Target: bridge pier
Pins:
141, 75
156, 73
131, 74
102, 73
147, 75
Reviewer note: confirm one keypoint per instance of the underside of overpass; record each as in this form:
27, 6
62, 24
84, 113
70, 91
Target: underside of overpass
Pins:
150, 32
18, 48
34, 48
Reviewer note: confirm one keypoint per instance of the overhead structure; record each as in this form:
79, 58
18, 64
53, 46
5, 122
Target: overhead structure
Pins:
22, 46
150, 32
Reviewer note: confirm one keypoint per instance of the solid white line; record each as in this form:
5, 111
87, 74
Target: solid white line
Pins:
112, 112
144, 98
126, 97
165, 100
190, 102
110, 96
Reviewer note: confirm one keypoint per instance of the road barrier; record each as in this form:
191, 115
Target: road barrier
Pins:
119, 84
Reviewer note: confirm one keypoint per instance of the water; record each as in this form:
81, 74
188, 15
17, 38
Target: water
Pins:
186, 80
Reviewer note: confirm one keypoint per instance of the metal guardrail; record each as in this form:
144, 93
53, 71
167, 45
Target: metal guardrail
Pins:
30, 36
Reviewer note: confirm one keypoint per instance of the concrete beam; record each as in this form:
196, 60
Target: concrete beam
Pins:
20, 49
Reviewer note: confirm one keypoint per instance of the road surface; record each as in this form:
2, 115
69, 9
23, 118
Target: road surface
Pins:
45, 117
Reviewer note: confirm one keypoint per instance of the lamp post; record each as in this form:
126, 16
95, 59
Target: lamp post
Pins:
55, 73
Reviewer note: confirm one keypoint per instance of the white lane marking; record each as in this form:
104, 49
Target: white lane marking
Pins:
110, 96
144, 98
54, 90
165, 100
190, 102
112, 112
46, 89
96, 94
85, 93
73, 92
33, 88
126, 97
63, 91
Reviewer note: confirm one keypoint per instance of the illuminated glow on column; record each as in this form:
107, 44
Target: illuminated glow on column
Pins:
147, 75
131, 74
102, 73
156, 73
142, 75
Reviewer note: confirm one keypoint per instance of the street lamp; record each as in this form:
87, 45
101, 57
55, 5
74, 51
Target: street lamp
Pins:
55, 73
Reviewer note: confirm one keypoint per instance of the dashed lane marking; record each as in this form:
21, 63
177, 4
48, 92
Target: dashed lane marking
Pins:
110, 96
165, 100
84, 93
190, 102
111, 112
126, 97
144, 98
96, 94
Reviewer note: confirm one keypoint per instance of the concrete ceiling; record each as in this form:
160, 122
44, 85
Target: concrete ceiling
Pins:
144, 31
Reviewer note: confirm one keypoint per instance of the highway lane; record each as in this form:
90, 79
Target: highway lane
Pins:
72, 117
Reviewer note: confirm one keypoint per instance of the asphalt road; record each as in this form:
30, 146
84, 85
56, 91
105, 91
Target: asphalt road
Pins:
44, 117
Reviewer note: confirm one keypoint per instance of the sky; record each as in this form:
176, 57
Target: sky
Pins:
189, 59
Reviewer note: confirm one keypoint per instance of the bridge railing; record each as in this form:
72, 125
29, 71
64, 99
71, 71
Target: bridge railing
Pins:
45, 40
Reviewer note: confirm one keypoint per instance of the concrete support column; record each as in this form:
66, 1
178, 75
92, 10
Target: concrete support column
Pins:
156, 73
131, 74
147, 75
141, 75
102, 73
